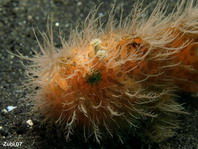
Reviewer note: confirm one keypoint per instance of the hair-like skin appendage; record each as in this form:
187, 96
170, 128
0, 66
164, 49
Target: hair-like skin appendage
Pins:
108, 81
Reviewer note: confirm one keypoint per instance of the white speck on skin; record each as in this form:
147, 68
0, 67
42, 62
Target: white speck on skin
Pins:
1, 127
101, 53
95, 42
